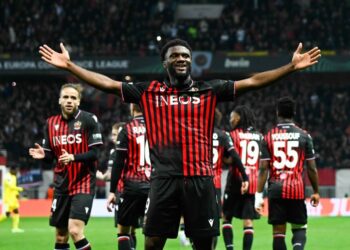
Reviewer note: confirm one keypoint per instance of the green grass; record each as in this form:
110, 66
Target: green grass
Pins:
323, 233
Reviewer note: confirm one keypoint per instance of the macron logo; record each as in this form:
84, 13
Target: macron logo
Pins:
211, 221
86, 210
57, 126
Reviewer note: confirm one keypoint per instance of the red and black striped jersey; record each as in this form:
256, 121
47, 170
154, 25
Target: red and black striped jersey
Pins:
75, 135
288, 146
137, 168
179, 123
111, 161
222, 143
248, 144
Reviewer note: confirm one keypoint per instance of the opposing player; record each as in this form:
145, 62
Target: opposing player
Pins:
11, 196
179, 117
288, 148
247, 142
72, 138
133, 165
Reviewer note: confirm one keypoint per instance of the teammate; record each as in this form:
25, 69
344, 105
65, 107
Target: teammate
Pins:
73, 139
179, 117
247, 142
222, 148
106, 176
133, 164
288, 148
11, 203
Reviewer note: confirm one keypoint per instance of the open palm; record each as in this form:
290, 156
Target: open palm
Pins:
59, 60
307, 59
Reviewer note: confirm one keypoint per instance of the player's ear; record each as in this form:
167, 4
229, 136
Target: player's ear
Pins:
164, 64
59, 101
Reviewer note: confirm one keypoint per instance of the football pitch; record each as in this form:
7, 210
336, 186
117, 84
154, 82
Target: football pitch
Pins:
323, 233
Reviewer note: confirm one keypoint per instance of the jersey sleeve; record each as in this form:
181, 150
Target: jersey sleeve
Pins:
132, 92
224, 90
46, 141
94, 131
309, 148
227, 142
122, 140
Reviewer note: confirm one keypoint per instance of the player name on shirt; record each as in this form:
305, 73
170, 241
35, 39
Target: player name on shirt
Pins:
285, 136
249, 136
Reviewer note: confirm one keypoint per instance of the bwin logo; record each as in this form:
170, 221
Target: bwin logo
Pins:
211, 222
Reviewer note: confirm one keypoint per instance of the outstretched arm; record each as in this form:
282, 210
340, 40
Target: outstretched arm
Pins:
299, 61
62, 60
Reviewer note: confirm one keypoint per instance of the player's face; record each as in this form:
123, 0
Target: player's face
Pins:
69, 101
114, 135
234, 119
178, 62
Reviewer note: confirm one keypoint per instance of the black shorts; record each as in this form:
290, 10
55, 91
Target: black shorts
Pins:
282, 211
218, 194
131, 208
193, 197
239, 206
65, 207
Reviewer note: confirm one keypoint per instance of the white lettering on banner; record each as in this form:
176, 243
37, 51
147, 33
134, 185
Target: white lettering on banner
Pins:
176, 100
19, 65
345, 208
241, 63
66, 139
285, 136
85, 63
112, 64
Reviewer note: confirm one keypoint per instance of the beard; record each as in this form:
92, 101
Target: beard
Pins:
180, 78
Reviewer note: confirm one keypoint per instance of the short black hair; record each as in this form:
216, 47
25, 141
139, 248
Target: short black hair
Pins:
172, 43
286, 107
247, 117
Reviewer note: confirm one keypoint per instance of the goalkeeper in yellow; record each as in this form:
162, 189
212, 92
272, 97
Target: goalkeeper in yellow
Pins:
11, 195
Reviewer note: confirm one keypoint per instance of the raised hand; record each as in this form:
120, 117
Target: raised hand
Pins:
37, 152
307, 59
59, 60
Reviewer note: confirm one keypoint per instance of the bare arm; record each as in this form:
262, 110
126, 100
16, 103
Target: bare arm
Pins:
299, 61
313, 177
263, 173
62, 60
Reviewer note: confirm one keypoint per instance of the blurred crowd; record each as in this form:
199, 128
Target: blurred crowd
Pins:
123, 27
322, 109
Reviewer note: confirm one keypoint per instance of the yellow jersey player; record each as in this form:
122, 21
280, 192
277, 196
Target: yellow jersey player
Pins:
11, 195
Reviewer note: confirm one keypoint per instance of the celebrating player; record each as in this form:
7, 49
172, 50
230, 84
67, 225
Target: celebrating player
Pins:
179, 118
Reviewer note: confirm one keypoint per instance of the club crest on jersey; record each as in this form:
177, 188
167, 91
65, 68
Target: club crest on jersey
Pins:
57, 126
77, 125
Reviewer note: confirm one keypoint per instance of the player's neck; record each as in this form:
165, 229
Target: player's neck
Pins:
284, 120
179, 82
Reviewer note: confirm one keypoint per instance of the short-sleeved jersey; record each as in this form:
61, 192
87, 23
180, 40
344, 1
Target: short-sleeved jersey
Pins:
288, 146
222, 143
76, 135
247, 143
11, 190
179, 123
137, 168
111, 161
